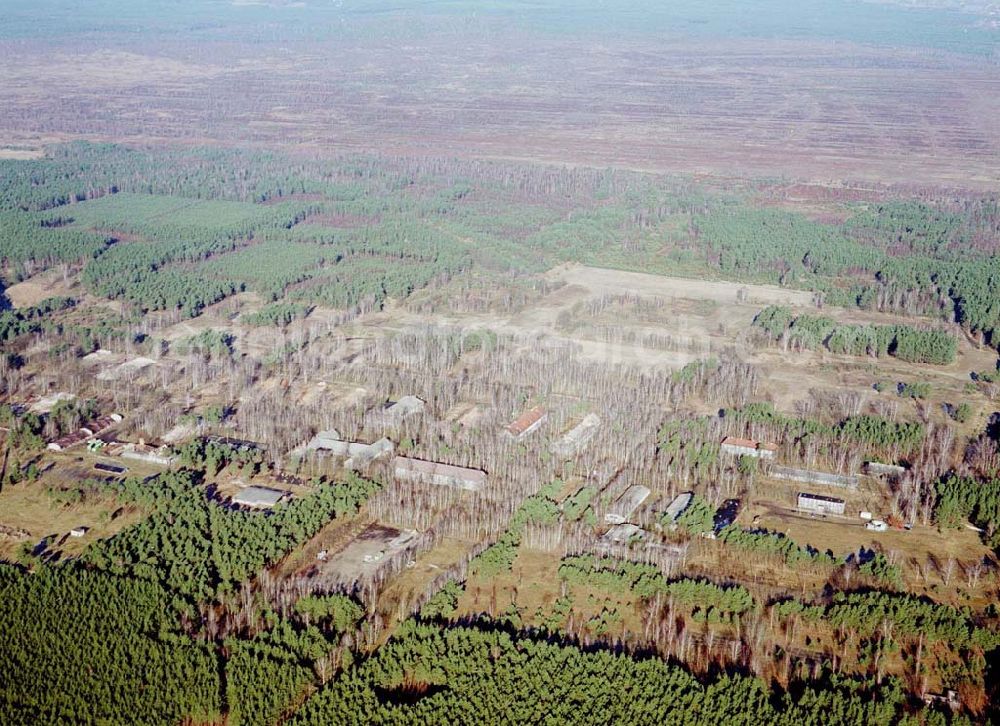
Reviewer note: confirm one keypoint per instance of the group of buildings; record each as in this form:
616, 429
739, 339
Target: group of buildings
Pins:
86, 432
811, 503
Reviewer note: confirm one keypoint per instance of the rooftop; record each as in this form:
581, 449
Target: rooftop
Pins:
749, 443
736, 441
259, 497
433, 468
526, 420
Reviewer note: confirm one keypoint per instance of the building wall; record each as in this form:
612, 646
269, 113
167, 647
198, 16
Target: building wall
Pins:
747, 451
819, 505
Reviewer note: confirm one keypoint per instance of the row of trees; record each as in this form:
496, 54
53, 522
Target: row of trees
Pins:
970, 499
647, 582
775, 544
878, 433
432, 674
866, 613
811, 331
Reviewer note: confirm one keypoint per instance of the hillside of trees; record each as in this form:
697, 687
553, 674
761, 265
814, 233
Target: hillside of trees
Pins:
87, 647
166, 230
433, 674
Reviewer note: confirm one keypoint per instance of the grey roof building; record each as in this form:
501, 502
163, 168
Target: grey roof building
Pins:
627, 504
678, 505
395, 412
576, 438
432, 472
259, 497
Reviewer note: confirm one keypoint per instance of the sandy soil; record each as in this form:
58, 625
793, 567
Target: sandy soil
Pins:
21, 152
35, 289
599, 281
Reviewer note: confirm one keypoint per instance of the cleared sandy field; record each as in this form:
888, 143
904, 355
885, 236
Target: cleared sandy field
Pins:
600, 281
35, 289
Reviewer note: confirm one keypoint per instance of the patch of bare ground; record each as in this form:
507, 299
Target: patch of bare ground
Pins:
28, 507
332, 538
117, 235
51, 283
21, 152
602, 281
397, 600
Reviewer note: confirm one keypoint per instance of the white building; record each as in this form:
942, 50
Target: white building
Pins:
394, 413
367, 453
359, 454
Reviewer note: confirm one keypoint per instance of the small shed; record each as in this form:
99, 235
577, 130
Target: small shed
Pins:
78, 531
110, 468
